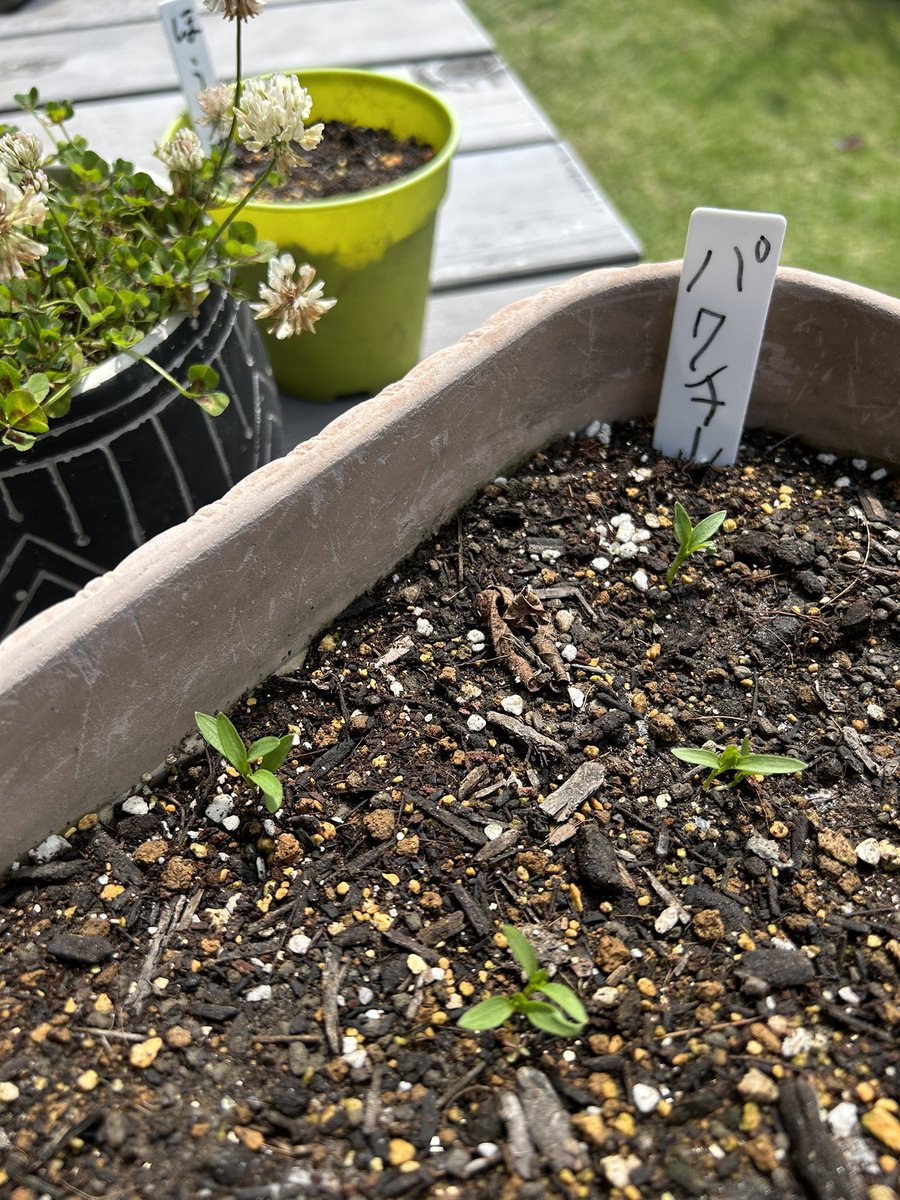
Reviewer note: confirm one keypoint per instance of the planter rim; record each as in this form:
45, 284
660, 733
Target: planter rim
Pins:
205, 610
432, 167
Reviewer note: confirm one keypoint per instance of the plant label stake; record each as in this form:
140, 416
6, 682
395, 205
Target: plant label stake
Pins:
726, 284
190, 53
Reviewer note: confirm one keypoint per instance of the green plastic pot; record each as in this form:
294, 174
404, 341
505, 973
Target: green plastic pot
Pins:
371, 249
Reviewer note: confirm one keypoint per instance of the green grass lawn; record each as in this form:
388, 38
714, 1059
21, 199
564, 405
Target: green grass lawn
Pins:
789, 106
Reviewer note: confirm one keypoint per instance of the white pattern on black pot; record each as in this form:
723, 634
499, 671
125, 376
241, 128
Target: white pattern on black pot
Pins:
132, 459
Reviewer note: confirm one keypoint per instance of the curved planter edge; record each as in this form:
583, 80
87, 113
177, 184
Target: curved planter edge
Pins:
99, 688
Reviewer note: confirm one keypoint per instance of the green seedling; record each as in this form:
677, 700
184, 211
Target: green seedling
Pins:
561, 1012
740, 760
692, 538
257, 763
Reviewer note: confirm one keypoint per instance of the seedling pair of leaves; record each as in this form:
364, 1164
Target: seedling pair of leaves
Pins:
739, 760
257, 763
561, 1012
692, 538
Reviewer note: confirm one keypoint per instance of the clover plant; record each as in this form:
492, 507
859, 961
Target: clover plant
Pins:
94, 255
740, 760
267, 753
692, 538
561, 1012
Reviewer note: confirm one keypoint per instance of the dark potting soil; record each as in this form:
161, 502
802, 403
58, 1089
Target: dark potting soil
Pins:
348, 159
201, 1000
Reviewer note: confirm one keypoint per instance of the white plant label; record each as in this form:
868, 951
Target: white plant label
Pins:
190, 53
726, 284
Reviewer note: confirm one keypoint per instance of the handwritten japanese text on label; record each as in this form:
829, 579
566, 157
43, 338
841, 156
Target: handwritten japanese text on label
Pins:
723, 297
187, 44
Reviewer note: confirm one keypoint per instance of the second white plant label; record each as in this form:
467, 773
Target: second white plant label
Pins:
726, 283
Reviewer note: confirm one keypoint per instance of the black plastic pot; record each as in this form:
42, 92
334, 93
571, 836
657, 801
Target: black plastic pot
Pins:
132, 459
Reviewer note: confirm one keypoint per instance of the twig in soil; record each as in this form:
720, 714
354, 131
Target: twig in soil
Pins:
460, 1086
278, 1039
601, 693
565, 591
525, 733
167, 925
106, 850
475, 914
857, 1024
372, 1105
464, 828
819, 1161
331, 980
407, 943
548, 1122
716, 1027
582, 783
416, 999
116, 1035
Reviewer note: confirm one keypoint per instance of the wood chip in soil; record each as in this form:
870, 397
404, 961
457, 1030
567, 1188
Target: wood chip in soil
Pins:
203, 1000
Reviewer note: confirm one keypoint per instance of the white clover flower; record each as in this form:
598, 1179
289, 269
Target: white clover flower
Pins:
241, 10
217, 103
182, 152
21, 152
292, 305
17, 209
271, 117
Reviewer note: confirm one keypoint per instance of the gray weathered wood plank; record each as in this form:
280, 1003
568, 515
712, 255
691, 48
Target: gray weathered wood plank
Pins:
493, 109
90, 63
45, 16
525, 211
452, 314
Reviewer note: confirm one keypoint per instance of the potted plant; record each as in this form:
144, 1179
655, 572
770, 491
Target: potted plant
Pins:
367, 221
117, 304
143, 648
373, 246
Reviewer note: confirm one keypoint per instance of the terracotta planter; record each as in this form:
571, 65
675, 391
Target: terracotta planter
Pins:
132, 458
98, 689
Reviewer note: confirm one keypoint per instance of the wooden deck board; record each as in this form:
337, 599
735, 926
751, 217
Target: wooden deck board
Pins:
493, 110
45, 16
525, 210
124, 59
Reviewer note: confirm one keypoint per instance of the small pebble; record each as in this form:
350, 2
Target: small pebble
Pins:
513, 704
9, 1093
758, 1087
475, 723
220, 806
869, 852
617, 1168
492, 831
49, 848
424, 627
258, 994
143, 1054
576, 697
231, 823
843, 1119
569, 652
798, 1041
641, 580
299, 943
645, 1097
135, 806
